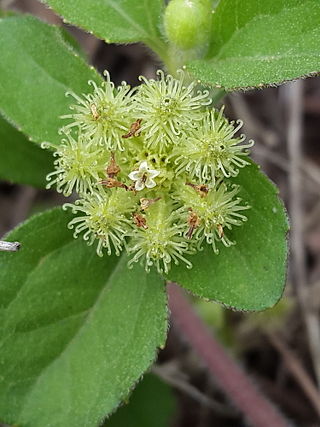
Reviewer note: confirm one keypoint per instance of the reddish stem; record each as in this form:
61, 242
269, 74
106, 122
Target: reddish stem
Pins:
257, 409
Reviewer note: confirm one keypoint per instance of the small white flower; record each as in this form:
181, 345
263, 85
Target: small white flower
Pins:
144, 177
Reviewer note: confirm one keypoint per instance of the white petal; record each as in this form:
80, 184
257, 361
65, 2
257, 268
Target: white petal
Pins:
139, 185
135, 175
153, 173
150, 183
143, 167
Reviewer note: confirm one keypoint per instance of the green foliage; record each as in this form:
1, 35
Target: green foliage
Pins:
151, 404
251, 274
45, 68
15, 149
115, 21
256, 43
77, 331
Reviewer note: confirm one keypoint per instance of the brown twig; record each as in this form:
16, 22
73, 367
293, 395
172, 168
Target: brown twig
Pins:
286, 398
172, 378
294, 366
252, 125
294, 93
232, 380
310, 172
257, 131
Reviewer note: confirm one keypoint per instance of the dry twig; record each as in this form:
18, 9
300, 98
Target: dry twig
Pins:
294, 92
297, 370
232, 380
175, 380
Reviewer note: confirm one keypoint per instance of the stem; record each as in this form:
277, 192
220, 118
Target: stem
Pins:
233, 381
178, 58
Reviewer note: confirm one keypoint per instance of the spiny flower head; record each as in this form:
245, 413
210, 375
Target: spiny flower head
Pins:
103, 114
159, 238
167, 108
152, 169
78, 165
213, 212
103, 218
212, 150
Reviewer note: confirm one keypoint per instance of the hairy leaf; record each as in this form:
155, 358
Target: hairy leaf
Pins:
22, 161
37, 68
261, 42
77, 330
119, 21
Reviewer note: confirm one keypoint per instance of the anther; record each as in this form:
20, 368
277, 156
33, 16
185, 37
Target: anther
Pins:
113, 169
193, 222
145, 203
134, 129
113, 183
201, 189
220, 231
139, 221
94, 112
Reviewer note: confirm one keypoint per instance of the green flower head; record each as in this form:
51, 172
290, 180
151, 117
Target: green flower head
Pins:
78, 165
167, 109
212, 149
159, 240
152, 168
102, 115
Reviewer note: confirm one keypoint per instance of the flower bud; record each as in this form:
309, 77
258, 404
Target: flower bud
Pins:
187, 23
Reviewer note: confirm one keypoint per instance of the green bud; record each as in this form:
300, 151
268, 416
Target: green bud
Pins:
187, 23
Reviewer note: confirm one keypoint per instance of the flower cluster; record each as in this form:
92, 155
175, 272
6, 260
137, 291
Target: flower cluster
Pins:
151, 167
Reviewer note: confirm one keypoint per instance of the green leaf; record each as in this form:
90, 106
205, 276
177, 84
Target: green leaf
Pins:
77, 330
22, 161
115, 21
258, 43
251, 274
151, 404
45, 68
